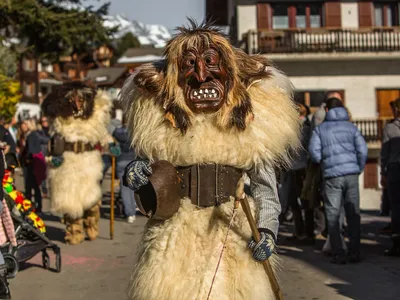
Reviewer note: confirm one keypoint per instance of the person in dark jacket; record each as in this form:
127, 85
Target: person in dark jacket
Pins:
121, 135
294, 178
342, 151
390, 168
44, 138
33, 172
10, 150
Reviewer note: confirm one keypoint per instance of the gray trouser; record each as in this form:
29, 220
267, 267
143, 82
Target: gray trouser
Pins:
127, 195
344, 192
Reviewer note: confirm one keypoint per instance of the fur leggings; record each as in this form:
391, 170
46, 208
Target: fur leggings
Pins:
89, 224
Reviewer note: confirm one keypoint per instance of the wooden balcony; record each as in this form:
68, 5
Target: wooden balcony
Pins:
323, 40
372, 128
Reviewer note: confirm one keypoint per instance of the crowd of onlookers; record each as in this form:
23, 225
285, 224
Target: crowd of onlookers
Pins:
26, 148
320, 194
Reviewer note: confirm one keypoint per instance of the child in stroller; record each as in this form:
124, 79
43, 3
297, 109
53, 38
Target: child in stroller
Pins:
29, 231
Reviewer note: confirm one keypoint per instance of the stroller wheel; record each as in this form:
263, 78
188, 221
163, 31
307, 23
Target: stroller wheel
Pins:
12, 265
45, 260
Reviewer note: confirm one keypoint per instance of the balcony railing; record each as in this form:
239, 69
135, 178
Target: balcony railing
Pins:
371, 129
322, 40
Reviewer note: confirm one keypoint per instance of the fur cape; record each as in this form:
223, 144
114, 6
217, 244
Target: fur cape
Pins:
75, 185
177, 258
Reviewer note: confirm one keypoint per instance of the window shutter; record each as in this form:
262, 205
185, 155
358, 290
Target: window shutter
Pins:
333, 15
365, 13
264, 16
292, 16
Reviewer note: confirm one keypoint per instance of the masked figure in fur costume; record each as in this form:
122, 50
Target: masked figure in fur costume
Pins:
214, 113
80, 116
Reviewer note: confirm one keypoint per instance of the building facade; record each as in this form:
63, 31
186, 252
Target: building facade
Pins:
38, 77
347, 46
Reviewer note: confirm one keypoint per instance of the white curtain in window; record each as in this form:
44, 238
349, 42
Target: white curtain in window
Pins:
315, 21
280, 22
378, 15
301, 22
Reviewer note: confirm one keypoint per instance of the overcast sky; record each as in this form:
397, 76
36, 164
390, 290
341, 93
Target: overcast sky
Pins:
171, 13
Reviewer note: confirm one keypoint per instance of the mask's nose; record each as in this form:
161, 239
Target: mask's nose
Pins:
201, 71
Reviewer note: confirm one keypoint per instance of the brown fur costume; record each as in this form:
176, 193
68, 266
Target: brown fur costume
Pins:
75, 189
256, 125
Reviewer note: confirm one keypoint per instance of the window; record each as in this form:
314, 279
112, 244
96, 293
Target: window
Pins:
315, 15
316, 98
286, 16
44, 90
312, 99
301, 17
280, 18
28, 64
386, 14
29, 89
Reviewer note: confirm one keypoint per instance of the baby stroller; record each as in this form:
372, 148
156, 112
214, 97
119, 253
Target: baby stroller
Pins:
29, 231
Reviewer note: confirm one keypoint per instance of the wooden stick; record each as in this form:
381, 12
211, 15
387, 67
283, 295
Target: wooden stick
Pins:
112, 197
240, 195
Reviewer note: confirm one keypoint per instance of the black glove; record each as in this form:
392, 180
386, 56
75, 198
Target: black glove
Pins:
264, 248
136, 174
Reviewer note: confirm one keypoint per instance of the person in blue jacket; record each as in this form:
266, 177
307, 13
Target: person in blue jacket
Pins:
342, 151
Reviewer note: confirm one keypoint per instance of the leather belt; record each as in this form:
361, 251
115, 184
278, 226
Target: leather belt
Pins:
78, 147
208, 184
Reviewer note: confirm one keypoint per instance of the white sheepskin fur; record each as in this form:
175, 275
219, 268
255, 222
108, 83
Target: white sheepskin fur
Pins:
75, 185
177, 258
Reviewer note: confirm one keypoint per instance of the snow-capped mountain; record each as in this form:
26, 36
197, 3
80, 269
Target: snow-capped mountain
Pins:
155, 35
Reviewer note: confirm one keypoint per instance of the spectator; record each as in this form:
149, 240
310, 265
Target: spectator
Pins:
339, 146
33, 162
390, 166
10, 150
44, 138
12, 128
295, 178
318, 118
127, 155
114, 124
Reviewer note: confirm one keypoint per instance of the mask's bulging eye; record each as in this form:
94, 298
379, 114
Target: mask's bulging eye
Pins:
190, 62
211, 60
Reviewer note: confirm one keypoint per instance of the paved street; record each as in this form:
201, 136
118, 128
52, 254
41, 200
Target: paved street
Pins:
100, 270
